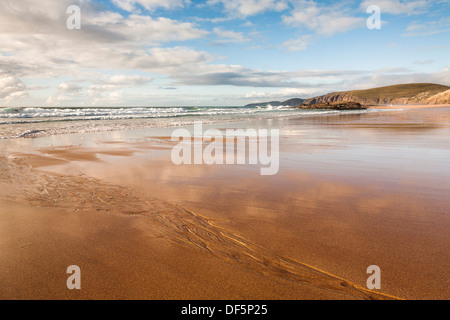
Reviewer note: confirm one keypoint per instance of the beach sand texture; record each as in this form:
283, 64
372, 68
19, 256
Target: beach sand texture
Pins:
352, 191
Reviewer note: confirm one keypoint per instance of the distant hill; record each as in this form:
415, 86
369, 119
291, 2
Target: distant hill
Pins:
264, 104
288, 103
415, 93
334, 106
293, 102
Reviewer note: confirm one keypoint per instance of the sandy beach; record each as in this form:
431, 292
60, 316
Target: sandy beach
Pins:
353, 190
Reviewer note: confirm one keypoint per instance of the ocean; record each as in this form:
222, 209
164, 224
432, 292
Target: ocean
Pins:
30, 122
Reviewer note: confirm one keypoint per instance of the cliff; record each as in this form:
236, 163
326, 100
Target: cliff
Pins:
417, 93
414, 93
334, 106
440, 98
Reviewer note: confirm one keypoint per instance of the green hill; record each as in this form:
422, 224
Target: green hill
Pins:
399, 91
414, 93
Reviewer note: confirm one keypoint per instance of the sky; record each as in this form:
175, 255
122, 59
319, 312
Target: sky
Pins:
214, 52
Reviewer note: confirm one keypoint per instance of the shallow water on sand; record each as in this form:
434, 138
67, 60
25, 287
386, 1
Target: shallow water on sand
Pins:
352, 191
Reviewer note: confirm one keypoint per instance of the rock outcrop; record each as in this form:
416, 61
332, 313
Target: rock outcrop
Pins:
334, 106
416, 93
413, 93
440, 98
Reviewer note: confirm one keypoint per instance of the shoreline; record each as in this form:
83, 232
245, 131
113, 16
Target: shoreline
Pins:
154, 226
410, 106
61, 127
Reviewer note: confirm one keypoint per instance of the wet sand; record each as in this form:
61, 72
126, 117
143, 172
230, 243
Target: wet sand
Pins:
353, 190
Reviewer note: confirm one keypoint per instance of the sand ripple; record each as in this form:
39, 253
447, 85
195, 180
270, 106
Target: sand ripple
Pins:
181, 226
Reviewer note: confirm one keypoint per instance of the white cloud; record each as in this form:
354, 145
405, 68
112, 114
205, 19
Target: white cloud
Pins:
67, 91
35, 43
288, 93
244, 8
41, 46
132, 5
11, 87
397, 6
125, 80
226, 36
299, 44
323, 20
49, 18
422, 62
352, 81
69, 87
101, 90
257, 94
379, 78
111, 98
428, 28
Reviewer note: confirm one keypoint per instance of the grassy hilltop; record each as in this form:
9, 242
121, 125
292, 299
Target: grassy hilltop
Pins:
414, 93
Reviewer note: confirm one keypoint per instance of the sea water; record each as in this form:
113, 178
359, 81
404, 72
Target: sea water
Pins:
41, 121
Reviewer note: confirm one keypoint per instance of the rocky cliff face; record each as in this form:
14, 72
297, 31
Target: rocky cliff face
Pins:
340, 97
414, 93
421, 98
334, 106
440, 98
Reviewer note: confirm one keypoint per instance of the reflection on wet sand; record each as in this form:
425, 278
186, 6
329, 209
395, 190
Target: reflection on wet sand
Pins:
353, 191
